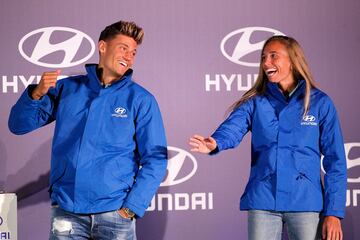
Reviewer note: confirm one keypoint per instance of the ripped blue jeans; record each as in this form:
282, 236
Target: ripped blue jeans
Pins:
101, 226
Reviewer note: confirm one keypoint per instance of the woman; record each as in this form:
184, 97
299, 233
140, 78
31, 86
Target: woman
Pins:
292, 124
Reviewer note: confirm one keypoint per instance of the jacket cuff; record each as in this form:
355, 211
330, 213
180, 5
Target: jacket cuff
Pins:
215, 151
339, 214
26, 96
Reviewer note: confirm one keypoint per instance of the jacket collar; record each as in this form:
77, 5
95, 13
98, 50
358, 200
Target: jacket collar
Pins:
277, 99
95, 82
273, 90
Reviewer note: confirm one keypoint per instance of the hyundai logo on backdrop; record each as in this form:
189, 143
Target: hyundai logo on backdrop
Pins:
176, 162
181, 167
243, 47
352, 163
56, 47
240, 43
353, 190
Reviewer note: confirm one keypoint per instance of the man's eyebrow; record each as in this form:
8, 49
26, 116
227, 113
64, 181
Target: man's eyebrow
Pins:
124, 44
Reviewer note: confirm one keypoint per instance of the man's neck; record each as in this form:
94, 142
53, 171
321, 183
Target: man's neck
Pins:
104, 78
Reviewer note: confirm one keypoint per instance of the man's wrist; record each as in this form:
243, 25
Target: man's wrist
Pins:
34, 95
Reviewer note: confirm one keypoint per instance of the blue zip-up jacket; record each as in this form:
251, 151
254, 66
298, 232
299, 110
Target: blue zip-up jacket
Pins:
286, 149
109, 147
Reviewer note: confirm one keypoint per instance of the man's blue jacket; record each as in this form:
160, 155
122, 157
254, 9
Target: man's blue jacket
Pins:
109, 147
286, 152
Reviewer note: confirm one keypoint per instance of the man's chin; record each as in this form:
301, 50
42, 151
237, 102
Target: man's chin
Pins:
121, 73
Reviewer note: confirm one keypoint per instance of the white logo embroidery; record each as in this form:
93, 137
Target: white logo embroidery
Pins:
243, 46
43, 47
176, 163
309, 120
119, 112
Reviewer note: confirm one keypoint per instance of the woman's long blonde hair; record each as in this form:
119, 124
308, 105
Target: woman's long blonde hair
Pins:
300, 70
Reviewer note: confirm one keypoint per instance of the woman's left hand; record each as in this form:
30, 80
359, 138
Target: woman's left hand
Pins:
331, 228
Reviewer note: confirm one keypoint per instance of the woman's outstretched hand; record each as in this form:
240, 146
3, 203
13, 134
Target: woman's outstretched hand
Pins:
202, 144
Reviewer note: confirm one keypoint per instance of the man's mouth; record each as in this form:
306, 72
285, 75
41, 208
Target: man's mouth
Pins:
122, 63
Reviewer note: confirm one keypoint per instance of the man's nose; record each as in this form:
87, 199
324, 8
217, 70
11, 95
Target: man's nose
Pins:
128, 55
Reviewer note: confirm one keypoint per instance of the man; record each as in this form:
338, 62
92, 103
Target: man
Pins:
109, 147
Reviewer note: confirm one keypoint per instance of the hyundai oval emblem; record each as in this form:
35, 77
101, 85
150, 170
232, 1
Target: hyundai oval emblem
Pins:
352, 163
176, 164
243, 46
44, 47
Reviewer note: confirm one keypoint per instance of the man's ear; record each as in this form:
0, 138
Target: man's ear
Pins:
102, 46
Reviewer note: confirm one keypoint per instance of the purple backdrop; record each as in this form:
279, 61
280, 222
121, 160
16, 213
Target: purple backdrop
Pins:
197, 58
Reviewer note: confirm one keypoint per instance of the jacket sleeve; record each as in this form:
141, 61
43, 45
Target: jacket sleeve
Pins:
334, 161
152, 150
230, 133
28, 114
